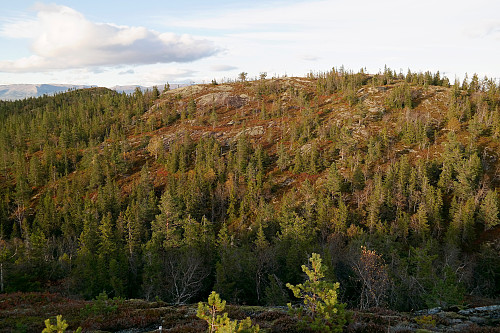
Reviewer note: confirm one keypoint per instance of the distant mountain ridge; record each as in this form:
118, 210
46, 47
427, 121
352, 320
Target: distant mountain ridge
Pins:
21, 91
11, 92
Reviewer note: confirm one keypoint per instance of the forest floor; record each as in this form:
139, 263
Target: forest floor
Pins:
26, 312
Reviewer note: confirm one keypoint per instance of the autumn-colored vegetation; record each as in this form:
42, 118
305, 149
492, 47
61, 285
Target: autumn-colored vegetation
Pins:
392, 178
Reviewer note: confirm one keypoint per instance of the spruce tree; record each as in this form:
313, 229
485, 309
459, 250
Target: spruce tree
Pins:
488, 211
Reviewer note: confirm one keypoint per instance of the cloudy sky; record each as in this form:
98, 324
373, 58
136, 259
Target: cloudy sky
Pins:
150, 42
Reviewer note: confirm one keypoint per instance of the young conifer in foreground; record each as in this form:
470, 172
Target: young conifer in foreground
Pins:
321, 310
222, 324
59, 327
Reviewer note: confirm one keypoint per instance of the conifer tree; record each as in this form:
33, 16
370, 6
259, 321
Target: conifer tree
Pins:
334, 181
469, 172
263, 261
461, 228
321, 310
222, 324
488, 211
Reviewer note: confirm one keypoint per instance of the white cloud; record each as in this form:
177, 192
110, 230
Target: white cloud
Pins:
486, 28
130, 71
63, 38
308, 57
149, 75
222, 68
315, 35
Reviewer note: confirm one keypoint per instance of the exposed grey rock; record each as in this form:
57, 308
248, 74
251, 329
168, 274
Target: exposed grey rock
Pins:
223, 87
402, 327
376, 109
434, 310
460, 327
185, 91
252, 131
489, 308
451, 315
306, 148
222, 99
478, 320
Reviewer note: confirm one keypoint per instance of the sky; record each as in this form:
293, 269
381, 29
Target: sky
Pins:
151, 42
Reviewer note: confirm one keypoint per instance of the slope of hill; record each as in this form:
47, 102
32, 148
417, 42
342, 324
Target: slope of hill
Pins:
391, 177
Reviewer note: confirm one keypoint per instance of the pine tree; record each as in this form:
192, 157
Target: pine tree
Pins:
59, 327
420, 224
283, 158
222, 324
35, 172
165, 227
488, 211
334, 181
243, 152
155, 93
469, 173
86, 271
263, 260
321, 310
340, 218
461, 229
133, 229
358, 179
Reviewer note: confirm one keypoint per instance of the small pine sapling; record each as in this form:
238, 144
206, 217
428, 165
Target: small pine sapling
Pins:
321, 310
222, 324
59, 327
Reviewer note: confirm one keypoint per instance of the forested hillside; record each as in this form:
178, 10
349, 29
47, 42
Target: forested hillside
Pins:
392, 178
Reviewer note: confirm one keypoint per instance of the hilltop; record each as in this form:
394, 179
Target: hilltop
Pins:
391, 177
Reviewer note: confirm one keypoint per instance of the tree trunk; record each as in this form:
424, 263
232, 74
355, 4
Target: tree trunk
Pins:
1, 277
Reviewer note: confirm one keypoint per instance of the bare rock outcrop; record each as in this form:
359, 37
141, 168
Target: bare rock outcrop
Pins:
224, 98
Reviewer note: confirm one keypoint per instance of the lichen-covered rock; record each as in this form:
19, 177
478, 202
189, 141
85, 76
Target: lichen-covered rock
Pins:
252, 131
224, 98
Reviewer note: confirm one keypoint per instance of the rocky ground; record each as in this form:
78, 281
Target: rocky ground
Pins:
26, 312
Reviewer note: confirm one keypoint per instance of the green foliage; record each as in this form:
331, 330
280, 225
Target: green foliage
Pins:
222, 324
358, 179
99, 194
400, 97
233, 270
461, 228
275, 294
426, 321
488, 211
446, 291
59, 327
321, 310
101, 305
242, 76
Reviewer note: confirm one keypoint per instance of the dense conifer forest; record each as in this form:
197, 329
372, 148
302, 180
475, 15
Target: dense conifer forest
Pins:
391, 177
